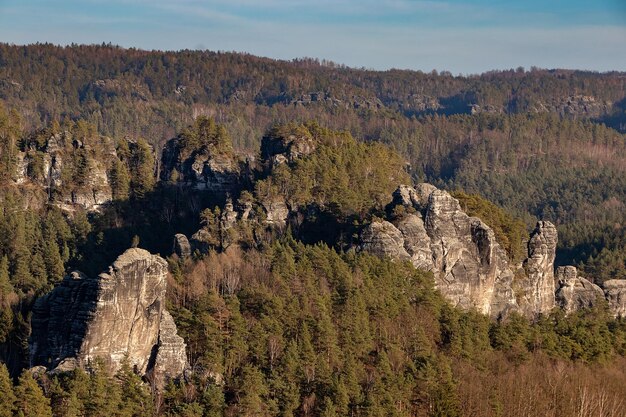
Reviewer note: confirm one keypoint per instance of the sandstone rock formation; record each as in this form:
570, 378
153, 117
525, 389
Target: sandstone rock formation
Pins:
471, 269
539, 283
384, 239
170, 359
575, 292
120, 314
276, 212
205, 171
278, 149
45, 169
182, 247
615, 292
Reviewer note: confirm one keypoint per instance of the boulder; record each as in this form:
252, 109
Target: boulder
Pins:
382, 238
615, 292
575, 292
182, 247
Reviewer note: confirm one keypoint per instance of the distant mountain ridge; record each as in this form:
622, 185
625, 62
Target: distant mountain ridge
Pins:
106, 84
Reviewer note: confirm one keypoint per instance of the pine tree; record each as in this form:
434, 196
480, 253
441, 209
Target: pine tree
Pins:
10, 130
135, 397
120, 180
7, 396
31, 402
5, 281
53, 261
104, 395
143, 179
252, 392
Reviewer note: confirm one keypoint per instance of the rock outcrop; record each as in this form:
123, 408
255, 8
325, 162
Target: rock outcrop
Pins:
470, 267
47, 166
575, 292
539, 283
120, 315
216, 172
384, 239
615, 292
276, 212
182, 247
278, 148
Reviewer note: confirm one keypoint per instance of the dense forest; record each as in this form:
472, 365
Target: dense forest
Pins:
288, 321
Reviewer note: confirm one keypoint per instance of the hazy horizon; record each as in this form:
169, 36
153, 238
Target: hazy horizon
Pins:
461, 36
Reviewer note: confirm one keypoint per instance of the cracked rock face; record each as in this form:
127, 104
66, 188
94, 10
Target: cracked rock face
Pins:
214, 172
276, 211
182, 247
615, 292
575, 292
120, 314
384, 239
539, 283
471, 269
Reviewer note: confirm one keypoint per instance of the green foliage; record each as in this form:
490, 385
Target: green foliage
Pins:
120, 180
10, 131
205, 137
509, 231
341, 175
31, 401
7, 405
142, 169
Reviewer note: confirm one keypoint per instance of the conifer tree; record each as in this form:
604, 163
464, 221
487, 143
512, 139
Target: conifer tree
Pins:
53, 261
7, 396
143, 179
5, 281
120, 180
135, 397
31, 402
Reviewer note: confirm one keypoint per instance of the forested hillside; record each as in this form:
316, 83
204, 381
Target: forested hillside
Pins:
273, 169
541, 143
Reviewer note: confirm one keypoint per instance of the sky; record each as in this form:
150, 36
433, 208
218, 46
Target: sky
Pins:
460, 36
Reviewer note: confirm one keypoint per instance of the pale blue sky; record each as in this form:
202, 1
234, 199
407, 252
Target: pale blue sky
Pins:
462, 36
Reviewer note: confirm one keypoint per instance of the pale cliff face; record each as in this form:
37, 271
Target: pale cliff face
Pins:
472, 270
118, 315
539, 283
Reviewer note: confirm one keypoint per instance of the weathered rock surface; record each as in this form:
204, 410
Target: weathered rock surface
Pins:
276, 212
575, 292
170, 360
205, 171
44, 167
471, 269
120, 314
416, 241
279, 149
539, 283
182, 247
615, 292
383, 239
